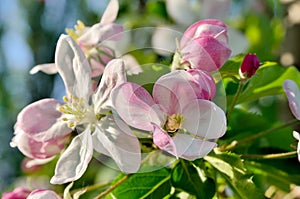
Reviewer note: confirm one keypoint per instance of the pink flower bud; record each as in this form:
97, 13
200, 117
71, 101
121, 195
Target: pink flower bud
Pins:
204, 46
249, 66
17, 193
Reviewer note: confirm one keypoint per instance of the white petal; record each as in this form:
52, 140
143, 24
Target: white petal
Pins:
113, 75
132, 67
46, 68
191, 148
293, 94
205, 119
74, 161
296, 135
121, 144
111, 12
100, 32
43, 194
73, 67
36, 162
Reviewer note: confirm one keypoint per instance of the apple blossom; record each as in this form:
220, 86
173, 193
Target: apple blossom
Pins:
293, 95
204, 45
89, 113
249, 66
89, 39
179, 115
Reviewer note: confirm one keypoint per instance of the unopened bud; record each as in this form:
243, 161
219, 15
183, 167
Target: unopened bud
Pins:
249, 66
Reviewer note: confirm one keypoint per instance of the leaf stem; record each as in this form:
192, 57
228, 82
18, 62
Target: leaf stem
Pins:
113, 187
247, 140
91, 187
234, 100
271, 156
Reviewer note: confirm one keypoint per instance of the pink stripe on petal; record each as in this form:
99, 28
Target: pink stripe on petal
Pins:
41, 120
164, 141
36, 149
136, 106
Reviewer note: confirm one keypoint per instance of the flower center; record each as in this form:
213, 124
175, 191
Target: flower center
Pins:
173, 123
76, 111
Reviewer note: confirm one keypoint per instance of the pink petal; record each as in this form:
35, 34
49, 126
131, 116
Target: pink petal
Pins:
37, 149
205, 53
41, 120
164, 141
46, 68
136, 106
293, 95
191, 148
177, 88
101, 32
74, 161
17, 193
210, 27
205, 119
113, 76
111, 12
43, 194
73, 67
119, 143
203, 83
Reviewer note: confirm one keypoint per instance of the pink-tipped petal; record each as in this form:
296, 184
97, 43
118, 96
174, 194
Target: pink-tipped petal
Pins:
173, 90
38, 149
74, 161
205, 119
210, 27
205, 53
111, 12
46, 68
119, 143
191, 148
136, 106
203, 83
164, 141
73, 67
43, 194
113, 76
17, 193
41, 120
293, 95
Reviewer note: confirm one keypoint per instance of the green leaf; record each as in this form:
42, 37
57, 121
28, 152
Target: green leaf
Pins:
191, 179
154, 184
272, 175
267, 81
232, 169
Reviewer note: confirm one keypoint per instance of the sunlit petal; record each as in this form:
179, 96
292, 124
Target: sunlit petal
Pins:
74, 161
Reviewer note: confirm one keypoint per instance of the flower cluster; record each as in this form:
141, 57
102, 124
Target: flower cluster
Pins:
179, 115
